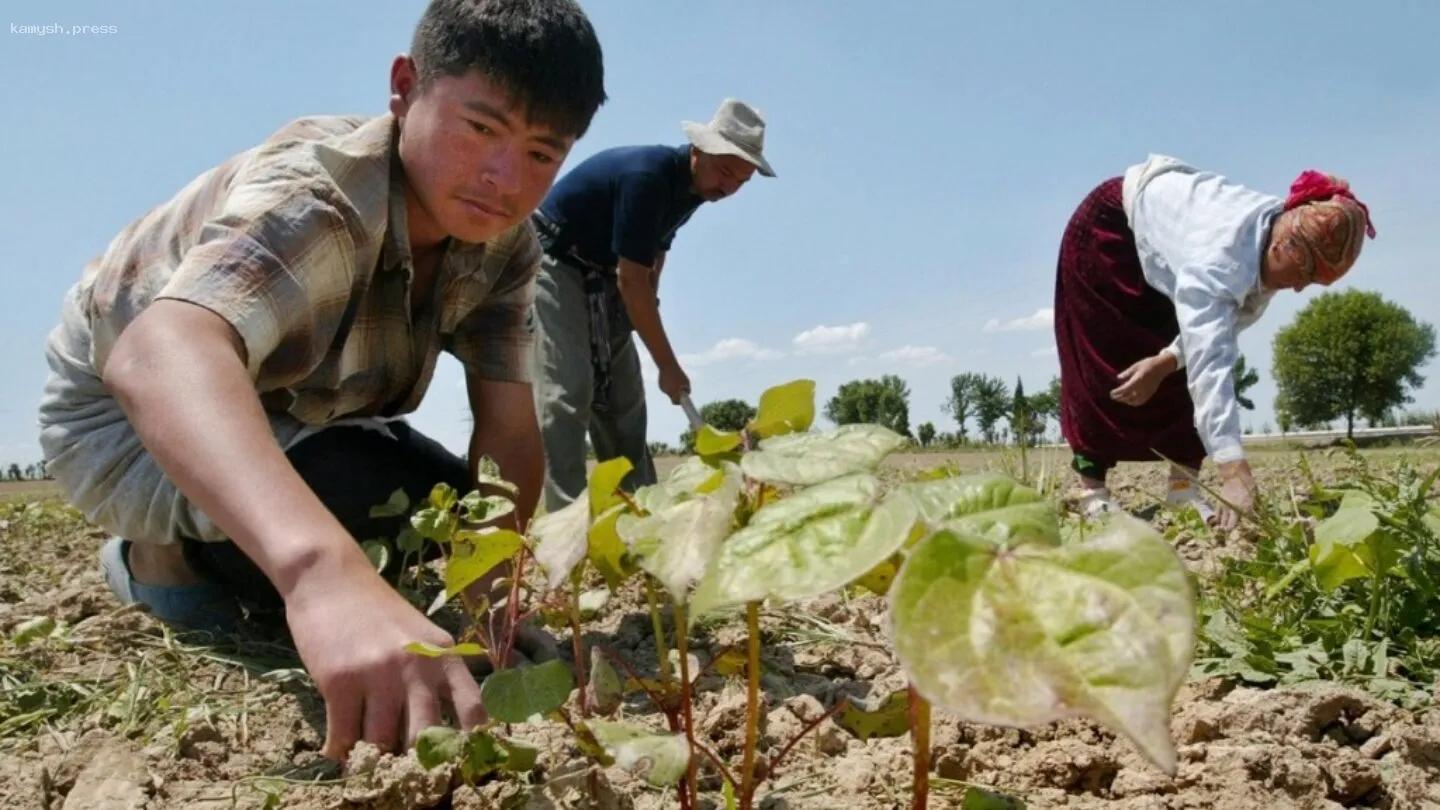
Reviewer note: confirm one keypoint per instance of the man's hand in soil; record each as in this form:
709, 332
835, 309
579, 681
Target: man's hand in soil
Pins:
351, 629
179, 372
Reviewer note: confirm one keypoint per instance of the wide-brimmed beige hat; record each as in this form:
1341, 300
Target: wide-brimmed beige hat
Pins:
737, 129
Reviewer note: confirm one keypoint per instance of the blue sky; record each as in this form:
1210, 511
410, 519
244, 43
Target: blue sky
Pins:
928, 155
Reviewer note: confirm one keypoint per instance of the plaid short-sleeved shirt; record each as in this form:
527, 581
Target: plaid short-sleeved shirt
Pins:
300, 243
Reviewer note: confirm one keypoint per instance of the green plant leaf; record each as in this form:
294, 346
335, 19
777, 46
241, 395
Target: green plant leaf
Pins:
488, 474
1351, 544
604, 481
813, 542
986, 503
691, 477
981, 799
443, 497
1340, 553
606, 550
805, 459
434, 524
788, 408
677, 545
409, 541
476, 554
431, 651
605, 689
398, 504
878, 579
879, 716
712, 442
377, 551
520, 757
1031, 633
485, 508
438, 745
516, 695
561, 539
482, 755
660, 757
32, 629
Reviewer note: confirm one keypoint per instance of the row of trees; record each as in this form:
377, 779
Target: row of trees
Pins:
31, 472
1346, 355
998, 413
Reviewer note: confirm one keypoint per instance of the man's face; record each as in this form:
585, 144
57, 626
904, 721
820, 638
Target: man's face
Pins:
718, 176
473, 162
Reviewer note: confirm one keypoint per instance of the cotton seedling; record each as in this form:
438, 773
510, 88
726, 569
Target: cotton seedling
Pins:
992, 617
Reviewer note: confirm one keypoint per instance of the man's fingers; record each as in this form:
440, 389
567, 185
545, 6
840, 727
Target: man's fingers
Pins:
342, 723
382, 719
460, 688
422, 710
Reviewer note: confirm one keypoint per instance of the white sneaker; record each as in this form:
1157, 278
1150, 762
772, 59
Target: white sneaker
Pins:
1094, 502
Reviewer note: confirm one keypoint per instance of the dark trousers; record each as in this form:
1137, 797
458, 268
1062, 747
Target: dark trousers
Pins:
350, 469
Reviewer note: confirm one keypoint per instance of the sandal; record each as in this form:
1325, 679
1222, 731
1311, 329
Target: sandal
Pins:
203, 606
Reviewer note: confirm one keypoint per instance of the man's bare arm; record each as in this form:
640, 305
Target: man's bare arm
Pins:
637, 290
506, 430
179, 373
655, 277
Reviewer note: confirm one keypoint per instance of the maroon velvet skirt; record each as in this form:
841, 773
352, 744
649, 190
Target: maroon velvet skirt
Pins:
1106, 318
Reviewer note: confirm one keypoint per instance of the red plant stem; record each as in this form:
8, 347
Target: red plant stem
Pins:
686, 709
837, 708
752, 705
920, 732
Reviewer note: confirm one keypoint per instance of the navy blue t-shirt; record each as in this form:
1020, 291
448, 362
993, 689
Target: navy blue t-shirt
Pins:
625, 201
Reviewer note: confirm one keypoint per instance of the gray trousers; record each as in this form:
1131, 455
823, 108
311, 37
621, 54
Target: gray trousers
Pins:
565, 389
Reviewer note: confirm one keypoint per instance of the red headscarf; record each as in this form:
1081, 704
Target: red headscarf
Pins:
1312, 186
1330, 222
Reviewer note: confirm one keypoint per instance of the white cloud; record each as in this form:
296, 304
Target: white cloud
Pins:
832, 339
914, 356
729, 349
1043, 317
1048, 351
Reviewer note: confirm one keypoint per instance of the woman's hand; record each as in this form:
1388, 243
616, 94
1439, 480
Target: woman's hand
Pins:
1140, 381
1237, 493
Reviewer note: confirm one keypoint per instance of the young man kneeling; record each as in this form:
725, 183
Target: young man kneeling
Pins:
226, 377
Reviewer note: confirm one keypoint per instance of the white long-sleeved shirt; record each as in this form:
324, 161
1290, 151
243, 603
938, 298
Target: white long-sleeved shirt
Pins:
1201, 238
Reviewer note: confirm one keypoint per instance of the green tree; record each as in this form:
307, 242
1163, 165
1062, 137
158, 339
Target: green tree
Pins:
1245, 379
1044, 405
885, 401
722, 414
961, 402
1020, 416
992, 402
925, 433
1349, 354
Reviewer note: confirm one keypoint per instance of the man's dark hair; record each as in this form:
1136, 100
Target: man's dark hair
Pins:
543, 53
